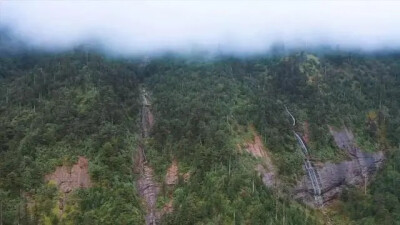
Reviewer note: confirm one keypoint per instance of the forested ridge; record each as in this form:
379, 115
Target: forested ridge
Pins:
56, 107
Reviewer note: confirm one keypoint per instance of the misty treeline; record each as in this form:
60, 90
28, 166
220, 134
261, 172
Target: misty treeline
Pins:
56, 107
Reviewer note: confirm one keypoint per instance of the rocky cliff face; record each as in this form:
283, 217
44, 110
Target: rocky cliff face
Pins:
267, 171
147, 185
71, 178
147, 116
148, 190
334, 177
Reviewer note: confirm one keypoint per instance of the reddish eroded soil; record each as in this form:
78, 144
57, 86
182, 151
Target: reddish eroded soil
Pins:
168, 207
306, 132
71, 178
171, 178
256, 148
186, 177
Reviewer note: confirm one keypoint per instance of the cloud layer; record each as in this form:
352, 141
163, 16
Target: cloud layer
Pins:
151, 27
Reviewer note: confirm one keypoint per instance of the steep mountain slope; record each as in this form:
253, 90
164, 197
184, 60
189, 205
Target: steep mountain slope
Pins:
59, 109
217, 146
148, 187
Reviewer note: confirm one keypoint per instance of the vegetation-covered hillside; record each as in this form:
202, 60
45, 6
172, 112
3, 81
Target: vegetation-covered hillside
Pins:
55, 108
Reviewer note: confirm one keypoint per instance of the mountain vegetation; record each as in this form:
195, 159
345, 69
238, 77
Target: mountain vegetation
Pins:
56, 107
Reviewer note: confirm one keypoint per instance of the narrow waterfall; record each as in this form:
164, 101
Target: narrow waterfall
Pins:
311, 172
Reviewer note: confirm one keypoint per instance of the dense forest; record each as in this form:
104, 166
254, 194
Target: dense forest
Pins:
56, 107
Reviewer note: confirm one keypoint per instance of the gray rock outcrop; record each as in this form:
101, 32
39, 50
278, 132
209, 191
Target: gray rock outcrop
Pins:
334, 177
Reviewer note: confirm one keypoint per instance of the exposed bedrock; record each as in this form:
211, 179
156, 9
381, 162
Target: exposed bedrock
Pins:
267, 171
334, 177
148, 187
69, 179
148, 190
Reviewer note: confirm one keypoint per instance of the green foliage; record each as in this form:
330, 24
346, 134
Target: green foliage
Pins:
239, 198
54, 108
381, 204
117, 205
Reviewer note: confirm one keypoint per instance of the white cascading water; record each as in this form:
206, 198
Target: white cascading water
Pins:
312, 174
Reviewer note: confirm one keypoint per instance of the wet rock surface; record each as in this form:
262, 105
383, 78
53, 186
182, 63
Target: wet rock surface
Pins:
148, 190
146, 184
334, 177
